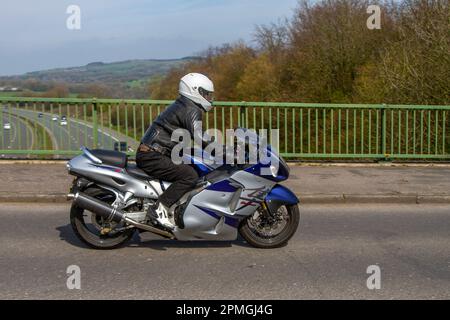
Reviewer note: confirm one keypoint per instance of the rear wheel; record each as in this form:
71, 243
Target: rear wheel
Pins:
94, 230
264, 230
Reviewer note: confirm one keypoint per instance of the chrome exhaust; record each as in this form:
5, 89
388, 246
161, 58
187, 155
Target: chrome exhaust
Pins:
112, 214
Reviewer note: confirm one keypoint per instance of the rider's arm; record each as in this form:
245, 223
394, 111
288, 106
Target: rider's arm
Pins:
193, 123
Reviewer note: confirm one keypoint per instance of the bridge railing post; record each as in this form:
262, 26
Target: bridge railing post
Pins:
384, 132
95, 123
242, 115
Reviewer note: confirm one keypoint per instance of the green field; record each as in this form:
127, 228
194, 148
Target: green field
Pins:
10, 94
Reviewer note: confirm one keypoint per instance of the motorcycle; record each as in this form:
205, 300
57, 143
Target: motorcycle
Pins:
111, 199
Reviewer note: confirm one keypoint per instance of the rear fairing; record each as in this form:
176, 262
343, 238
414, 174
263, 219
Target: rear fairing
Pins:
115, 177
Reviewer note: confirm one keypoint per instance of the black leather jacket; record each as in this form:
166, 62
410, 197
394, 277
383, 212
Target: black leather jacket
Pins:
183, 113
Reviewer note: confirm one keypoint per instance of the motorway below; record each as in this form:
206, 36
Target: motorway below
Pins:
327, 258
72, 136
19, 136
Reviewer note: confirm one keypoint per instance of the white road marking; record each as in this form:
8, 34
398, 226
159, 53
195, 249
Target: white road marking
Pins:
99, 130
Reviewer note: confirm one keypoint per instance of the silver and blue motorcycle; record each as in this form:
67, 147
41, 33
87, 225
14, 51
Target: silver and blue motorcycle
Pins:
111, 199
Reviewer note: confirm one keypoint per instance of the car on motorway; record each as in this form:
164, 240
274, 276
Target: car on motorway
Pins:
55, 118
63, 122
40, 115
7, 126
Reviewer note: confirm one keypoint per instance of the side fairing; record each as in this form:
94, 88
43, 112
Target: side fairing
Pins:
254, 190
216, 212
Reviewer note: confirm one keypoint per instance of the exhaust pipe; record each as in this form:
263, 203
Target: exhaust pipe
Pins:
112, 214
98, 207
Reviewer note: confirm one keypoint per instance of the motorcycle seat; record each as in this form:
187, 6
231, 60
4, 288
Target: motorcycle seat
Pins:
138, 173
110, 157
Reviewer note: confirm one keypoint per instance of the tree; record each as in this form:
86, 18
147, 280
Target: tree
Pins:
59, 90
416, 69
224, 65
326, 53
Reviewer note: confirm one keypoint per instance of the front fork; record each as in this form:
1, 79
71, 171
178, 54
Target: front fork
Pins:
266, 209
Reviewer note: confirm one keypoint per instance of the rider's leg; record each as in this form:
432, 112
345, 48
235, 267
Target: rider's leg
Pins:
182, 176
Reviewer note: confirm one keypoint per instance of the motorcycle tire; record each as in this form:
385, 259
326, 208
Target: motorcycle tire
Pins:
91, 239
257, 240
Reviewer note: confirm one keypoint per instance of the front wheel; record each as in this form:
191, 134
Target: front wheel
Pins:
264, 230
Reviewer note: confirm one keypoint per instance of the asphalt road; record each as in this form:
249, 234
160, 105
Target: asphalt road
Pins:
19, 136
327, 258
71, 136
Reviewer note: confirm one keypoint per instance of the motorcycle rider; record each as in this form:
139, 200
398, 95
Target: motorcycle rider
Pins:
154, 153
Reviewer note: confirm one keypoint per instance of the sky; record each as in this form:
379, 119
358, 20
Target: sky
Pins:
35, 35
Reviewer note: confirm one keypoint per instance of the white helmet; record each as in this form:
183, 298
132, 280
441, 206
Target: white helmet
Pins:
198, 88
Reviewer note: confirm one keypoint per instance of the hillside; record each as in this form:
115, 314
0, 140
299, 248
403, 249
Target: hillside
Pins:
122, 71
128, 78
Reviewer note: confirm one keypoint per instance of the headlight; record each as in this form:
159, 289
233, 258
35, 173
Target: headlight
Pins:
274, 170
284, 164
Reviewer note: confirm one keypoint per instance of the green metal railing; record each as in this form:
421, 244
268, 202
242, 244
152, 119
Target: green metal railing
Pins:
306, 130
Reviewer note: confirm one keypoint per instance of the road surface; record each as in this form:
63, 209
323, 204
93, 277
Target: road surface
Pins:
75, 133
19, 136
327, 258
64, 137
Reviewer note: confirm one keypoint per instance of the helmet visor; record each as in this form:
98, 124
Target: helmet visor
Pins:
208, 95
